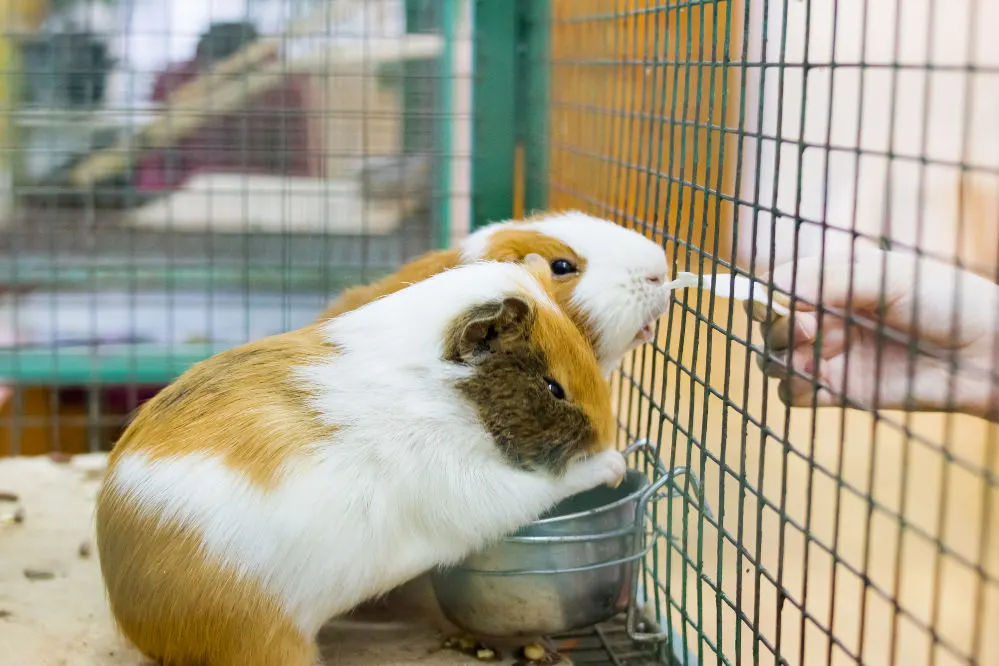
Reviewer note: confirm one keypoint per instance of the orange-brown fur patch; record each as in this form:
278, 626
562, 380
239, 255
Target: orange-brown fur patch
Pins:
572, 360
511, 244
212, 617
417, 270
573, 364
514, 244
244, 404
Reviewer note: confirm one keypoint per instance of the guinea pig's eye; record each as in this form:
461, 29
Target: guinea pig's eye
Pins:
563, 267
555, 388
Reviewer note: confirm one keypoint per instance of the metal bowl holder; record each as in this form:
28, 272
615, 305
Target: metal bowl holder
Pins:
666, 477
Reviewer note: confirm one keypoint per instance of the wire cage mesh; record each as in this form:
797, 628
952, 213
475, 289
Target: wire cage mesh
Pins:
199, 178
183, 179
744, 136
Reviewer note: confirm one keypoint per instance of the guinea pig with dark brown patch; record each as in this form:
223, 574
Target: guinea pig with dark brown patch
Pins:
611, 280
279, 484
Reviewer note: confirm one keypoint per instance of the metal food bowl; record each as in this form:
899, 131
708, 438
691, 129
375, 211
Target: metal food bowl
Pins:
571, 568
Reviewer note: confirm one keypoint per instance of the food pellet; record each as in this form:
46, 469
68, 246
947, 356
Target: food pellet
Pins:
485, 654
534, 652
38, 574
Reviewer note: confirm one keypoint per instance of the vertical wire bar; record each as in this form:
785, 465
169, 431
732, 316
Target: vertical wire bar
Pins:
698, 124
612, 112
659, 223
911, 357
878, 364
799, 184
635, 213
967, 97
761, 456
848, 322
621, 113
651, 128
365, 131
990, 480
447, 29
741, 133
131, 234
653, 178
764, 436
623, 110
679, 373
689, 68
716, 244
785, 434
448, 26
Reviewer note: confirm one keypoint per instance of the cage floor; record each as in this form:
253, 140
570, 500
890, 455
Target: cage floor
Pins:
56, 614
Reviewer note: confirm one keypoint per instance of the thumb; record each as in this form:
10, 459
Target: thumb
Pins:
836, 280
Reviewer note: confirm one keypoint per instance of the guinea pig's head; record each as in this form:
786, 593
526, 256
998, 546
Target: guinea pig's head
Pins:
609, 279
532, 377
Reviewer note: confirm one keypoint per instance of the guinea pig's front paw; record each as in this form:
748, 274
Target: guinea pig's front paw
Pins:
604, 468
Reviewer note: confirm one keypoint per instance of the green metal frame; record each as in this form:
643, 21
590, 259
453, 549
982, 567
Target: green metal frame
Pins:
535, 69
494, 109
510, 106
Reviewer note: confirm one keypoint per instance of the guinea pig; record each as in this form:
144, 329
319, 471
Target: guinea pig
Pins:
610, 280
279, 484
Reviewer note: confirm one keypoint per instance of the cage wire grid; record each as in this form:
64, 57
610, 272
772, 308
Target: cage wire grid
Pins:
850, 535
195, 200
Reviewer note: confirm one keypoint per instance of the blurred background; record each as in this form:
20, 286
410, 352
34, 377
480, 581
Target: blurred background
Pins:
180, 177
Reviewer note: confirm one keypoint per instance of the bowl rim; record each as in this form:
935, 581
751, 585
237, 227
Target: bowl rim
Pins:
441, 574
589, 512
616, 533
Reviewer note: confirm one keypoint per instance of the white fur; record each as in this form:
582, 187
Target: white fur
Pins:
410, 480
614, 289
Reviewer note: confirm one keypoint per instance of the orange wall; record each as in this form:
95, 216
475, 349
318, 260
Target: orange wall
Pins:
611, 121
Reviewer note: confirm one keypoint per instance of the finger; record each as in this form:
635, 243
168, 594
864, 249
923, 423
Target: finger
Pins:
833, 281
832, 341
773, 364
785, 333
801, 392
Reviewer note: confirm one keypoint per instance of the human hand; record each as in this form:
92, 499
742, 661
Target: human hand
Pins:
942, 316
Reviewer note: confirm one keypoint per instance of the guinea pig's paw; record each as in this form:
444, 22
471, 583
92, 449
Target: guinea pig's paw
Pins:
604, 468
613, 467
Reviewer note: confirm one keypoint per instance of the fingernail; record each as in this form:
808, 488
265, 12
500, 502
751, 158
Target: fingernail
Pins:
804, 329
784, 391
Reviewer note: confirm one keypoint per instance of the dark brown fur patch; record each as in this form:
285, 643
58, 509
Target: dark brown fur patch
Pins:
531, 427
516, 347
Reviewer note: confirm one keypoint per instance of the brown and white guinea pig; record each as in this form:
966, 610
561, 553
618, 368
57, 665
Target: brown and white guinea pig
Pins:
610, 280
279, 484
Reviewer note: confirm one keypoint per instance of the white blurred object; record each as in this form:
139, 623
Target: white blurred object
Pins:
155, 33
941, 106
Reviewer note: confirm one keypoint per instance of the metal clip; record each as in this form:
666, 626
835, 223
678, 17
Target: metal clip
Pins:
641, 510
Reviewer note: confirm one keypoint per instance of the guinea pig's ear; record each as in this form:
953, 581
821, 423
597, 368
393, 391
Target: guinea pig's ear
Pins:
538, 267
488, 328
